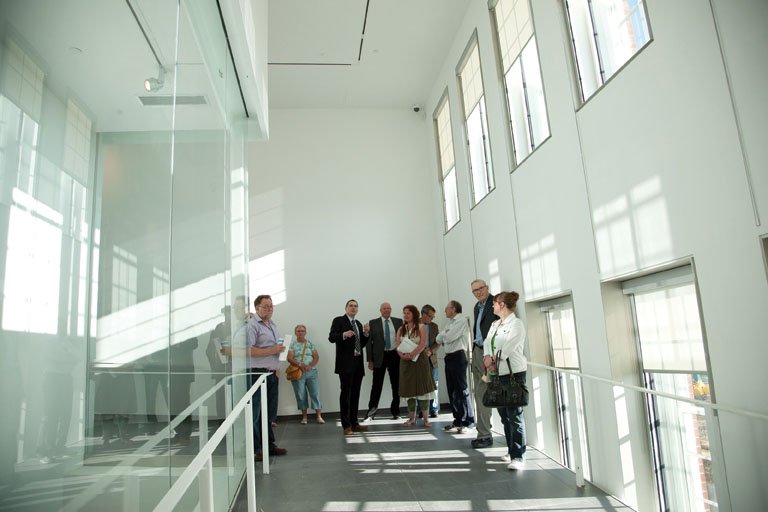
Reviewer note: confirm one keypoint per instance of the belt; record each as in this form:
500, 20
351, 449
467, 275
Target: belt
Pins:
262, 370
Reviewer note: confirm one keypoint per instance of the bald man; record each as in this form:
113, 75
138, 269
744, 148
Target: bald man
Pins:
382, 358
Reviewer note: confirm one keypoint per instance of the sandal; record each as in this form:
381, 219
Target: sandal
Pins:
409, 423
427, 424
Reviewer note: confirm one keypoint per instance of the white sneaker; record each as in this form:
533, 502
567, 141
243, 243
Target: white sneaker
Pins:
506, 458
516, 465
367, 419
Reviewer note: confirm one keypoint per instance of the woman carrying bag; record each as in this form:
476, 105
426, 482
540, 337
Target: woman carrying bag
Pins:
303, 356
503, 353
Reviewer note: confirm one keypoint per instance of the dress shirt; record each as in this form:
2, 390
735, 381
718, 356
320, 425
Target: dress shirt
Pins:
481, 306
510, 340
454, 336
392, 333
263, 334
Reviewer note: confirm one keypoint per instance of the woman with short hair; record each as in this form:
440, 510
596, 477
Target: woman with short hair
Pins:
303, 355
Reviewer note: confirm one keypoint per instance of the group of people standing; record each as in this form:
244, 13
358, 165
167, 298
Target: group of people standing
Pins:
406, 349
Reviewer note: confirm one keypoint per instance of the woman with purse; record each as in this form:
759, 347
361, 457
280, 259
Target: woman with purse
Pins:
303, 359
504, 359
416, 383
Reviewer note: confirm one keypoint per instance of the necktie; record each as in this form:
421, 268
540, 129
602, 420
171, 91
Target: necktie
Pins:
387, 336
357, 336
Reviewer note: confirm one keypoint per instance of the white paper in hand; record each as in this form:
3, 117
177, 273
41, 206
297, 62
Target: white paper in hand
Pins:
287, 342
408, 345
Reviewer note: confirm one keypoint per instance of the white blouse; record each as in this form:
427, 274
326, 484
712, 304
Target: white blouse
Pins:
510, 340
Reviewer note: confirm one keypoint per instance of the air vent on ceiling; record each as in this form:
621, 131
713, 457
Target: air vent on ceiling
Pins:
167, 100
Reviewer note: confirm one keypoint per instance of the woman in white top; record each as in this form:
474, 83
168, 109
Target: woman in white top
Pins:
507, 337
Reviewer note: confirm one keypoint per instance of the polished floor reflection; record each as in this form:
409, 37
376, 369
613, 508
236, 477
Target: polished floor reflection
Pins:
394, 468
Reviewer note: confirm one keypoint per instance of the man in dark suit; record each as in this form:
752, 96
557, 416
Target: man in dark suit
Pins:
382, 358
484, 317
350, 336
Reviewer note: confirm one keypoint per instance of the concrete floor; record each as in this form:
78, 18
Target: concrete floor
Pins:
394, 468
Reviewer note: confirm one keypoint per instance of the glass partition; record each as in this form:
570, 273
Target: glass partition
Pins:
123, 206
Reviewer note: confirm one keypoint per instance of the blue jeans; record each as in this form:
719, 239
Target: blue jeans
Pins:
272, 396
514, 425
307, 384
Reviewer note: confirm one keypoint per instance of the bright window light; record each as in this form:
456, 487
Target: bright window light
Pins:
446, 160
605, 34
522, 76
476, 123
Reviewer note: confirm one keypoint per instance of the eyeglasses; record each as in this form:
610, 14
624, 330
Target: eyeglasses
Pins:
266, 307
475, 290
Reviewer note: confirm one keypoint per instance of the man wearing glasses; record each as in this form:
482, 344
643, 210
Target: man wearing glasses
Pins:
263, 357
484, 317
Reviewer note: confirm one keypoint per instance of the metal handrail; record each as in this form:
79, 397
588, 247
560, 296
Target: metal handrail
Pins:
116, 471
699, 403
203, 462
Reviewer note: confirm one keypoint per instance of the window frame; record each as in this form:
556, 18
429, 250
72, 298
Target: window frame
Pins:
488, 150
666, 278
565, 433
601, 68
444, 102
533, 145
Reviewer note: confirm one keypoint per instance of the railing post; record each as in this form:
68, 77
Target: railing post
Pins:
229, 443
718, 460
264, 428
250, 469
205, 482
575, 437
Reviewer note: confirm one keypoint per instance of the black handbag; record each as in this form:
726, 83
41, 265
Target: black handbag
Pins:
507, 393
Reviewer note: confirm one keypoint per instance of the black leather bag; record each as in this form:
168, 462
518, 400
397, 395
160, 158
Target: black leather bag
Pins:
507, 392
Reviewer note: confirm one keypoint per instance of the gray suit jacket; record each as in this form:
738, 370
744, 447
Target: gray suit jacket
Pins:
374, 351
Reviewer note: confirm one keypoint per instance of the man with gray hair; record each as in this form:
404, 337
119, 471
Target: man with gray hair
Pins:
455, 342
382, 358
484, 317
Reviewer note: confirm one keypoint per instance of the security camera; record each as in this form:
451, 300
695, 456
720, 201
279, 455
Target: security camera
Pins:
416, 108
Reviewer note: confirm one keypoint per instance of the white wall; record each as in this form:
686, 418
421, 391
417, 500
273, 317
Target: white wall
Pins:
342, 206
659, 147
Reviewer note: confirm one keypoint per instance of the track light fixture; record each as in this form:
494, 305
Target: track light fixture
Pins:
155, 84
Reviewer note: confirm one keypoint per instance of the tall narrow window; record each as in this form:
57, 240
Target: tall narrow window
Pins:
673, 359
561, 329
605, 34
447, 163
522, 76
476, 123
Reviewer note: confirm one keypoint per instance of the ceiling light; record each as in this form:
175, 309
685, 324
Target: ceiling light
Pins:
155, 84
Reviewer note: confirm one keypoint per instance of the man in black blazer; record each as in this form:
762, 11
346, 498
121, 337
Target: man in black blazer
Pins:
484, 317
350, 336
382, 358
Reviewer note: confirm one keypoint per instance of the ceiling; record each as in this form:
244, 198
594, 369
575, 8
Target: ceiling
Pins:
314, 46
95, 52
